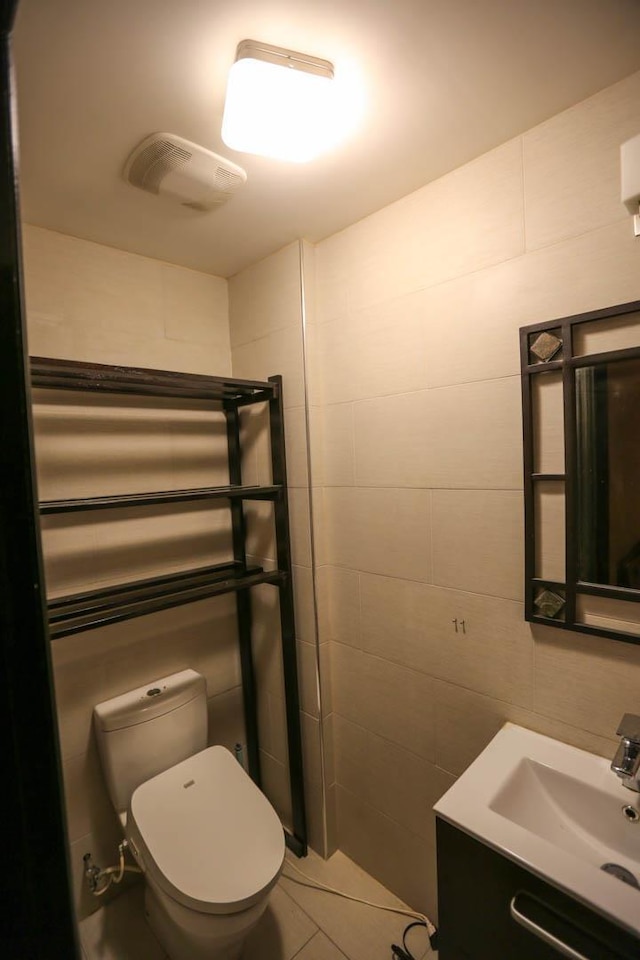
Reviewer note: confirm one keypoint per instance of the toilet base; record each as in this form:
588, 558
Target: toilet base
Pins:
187, 935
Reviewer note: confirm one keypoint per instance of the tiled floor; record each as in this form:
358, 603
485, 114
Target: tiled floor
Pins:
299, 922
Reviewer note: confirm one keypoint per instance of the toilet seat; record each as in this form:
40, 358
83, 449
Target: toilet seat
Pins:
206, 835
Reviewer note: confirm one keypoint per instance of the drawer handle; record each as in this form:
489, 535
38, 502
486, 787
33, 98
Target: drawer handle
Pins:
563, 948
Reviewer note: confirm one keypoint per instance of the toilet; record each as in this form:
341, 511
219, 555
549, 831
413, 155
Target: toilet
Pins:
208, 842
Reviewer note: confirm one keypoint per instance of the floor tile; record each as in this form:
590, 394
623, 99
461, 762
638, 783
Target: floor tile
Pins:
299, 923
281, 932
418, 944
359, 931
120, 932
320, 948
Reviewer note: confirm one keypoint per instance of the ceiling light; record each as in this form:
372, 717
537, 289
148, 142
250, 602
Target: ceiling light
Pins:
281, 104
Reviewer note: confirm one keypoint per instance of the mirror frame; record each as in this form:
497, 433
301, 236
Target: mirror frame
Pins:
560, 357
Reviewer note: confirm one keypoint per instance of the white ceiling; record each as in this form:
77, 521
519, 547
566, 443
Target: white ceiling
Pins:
444, 81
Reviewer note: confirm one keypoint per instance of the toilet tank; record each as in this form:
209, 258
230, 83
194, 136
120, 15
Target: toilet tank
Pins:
149, 729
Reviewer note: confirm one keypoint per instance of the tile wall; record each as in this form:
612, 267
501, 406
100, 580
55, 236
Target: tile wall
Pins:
416, 441
267, 337
94, 303
90, 302
412, 364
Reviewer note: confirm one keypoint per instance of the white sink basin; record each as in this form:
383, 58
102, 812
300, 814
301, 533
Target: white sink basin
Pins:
559, 811
574, 815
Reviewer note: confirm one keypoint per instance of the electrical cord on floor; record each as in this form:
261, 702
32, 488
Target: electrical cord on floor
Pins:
419, 919
403, 952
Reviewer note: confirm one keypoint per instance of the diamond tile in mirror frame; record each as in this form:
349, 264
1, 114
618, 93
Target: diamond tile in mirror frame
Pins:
548, 603
545, 347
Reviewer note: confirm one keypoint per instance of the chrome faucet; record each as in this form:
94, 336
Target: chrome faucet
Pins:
626, 763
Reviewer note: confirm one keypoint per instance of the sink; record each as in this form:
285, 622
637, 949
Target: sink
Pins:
560, 812
573, 814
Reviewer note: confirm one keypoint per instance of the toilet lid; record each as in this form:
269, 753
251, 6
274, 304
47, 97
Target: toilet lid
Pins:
207, 835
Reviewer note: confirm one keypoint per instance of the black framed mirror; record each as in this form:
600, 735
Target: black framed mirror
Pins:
581, 423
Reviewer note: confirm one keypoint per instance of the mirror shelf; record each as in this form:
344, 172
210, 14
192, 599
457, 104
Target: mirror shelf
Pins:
581, 411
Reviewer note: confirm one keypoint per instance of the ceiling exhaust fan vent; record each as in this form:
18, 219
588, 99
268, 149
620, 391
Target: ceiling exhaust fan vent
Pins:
152, 164
167, 165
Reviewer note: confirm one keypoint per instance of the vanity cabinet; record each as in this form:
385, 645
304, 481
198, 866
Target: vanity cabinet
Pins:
490, 908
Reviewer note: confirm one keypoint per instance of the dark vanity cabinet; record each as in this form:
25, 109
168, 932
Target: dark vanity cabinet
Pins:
490, 908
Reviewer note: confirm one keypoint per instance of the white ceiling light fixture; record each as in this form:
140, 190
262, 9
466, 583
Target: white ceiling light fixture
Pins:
281, 104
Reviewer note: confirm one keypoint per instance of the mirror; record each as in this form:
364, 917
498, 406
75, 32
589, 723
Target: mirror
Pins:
581, 409
608, 472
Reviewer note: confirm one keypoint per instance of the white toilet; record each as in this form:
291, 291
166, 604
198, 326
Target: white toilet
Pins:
209, 843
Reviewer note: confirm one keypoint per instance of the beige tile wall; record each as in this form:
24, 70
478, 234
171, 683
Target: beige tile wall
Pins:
265, 314
411, 357
416, 439
94, 303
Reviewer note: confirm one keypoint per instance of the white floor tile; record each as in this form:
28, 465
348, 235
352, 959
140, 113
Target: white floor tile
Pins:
300, 923
120, 932
320, 948
360, 932
281, 932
